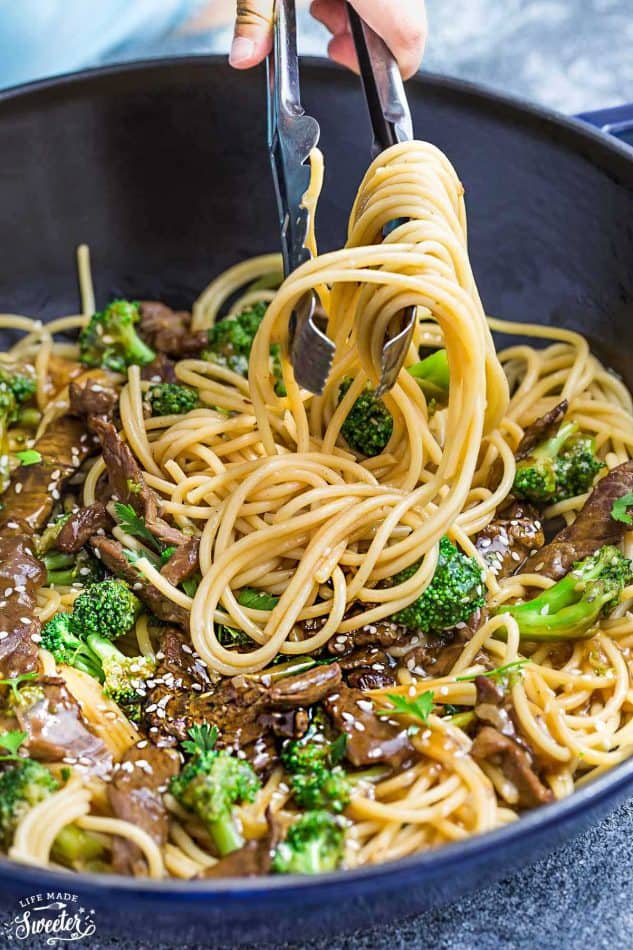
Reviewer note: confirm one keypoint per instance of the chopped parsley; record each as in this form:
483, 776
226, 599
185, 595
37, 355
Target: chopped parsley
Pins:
419, 708
29, 456
619, 509
11, 741
501, 673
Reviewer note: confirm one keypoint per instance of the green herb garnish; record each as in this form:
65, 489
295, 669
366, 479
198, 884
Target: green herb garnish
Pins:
420, 707
619, 509
29, 456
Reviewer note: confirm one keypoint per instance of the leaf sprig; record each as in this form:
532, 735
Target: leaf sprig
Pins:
420, 707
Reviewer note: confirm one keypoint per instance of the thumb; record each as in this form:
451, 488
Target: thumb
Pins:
253, 31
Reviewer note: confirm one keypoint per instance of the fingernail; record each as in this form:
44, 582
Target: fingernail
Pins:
242, 49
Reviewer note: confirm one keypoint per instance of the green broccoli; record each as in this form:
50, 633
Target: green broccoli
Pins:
8, 415
26, 784
316, 778
21, 382
432, 375
569, 609
231, 339
314, 844
456, 590
171, 399
368, 425
65, 570
211, 783
110, 339
59, 638
107, 608
561, 467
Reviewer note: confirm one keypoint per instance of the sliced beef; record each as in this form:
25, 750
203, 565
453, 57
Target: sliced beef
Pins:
370, 739
383, 633
511, 538
287, 723
21, 574
92, 397
82, 524
169, 331
35, 489
180, 678
57, 731
541, 429
160, 370
128, 484
304, 689
136, 795
183, 563
367, 667
593, 528
436, 654
491, 745
111, 554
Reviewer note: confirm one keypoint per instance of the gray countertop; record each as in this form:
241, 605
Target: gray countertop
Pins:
573, 55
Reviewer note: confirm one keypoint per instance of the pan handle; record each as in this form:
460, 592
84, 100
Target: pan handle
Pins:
617, 121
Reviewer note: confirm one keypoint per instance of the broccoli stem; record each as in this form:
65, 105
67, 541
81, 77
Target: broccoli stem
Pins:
55, 560
74, 844
225, 834
103, 648
552, 447
432, 374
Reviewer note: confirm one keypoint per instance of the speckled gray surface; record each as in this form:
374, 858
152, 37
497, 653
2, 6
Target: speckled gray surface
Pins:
574, 55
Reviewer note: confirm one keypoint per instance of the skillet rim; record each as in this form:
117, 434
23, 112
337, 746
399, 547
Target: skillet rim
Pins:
614, 158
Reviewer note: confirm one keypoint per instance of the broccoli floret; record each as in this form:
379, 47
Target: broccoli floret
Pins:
171, 399
230, 340
316, 778
569, 609
21, 787
368, 425
558, 468
21, 382
211, 783
313, 844
110, 339
124, 677
108, 608
64, 570
230, 343
59, 638
432, 375
26, 784
456, 590
8, 415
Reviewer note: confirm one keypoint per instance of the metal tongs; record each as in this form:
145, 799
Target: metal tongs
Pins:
291, 137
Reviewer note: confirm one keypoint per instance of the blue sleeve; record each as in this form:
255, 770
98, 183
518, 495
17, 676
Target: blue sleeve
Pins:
46, 37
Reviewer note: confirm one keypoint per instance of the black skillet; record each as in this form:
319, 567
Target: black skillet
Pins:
162, 169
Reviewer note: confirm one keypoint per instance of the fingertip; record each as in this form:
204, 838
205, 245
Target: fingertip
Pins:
246, 52
341, 50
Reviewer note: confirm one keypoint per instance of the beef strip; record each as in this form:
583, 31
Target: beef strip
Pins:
385, 633
160, 370
34, 490
369, 738
511, 538
183, 563
593, 528
20, 576
56, 728
367, 667
490, 745
111, 554
169, 331
252, 859
499, 741
541, 429
82, 524
437, 654
243, 708
135, 795
92, 397
128, 484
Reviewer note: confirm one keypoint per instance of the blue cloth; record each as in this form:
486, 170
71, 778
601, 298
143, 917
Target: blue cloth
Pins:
46, 37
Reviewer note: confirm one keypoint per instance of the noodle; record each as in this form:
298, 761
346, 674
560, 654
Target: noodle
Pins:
280, 503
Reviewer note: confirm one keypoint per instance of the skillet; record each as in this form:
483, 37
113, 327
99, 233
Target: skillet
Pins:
161, 168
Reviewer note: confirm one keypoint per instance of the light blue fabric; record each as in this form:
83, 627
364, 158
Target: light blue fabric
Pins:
46, 37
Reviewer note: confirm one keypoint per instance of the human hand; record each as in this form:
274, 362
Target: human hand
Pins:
401, 23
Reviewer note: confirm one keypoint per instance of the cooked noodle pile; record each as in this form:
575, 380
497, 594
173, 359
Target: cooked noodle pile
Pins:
282, 504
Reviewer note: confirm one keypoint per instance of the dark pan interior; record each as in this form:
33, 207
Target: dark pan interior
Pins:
162, 169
